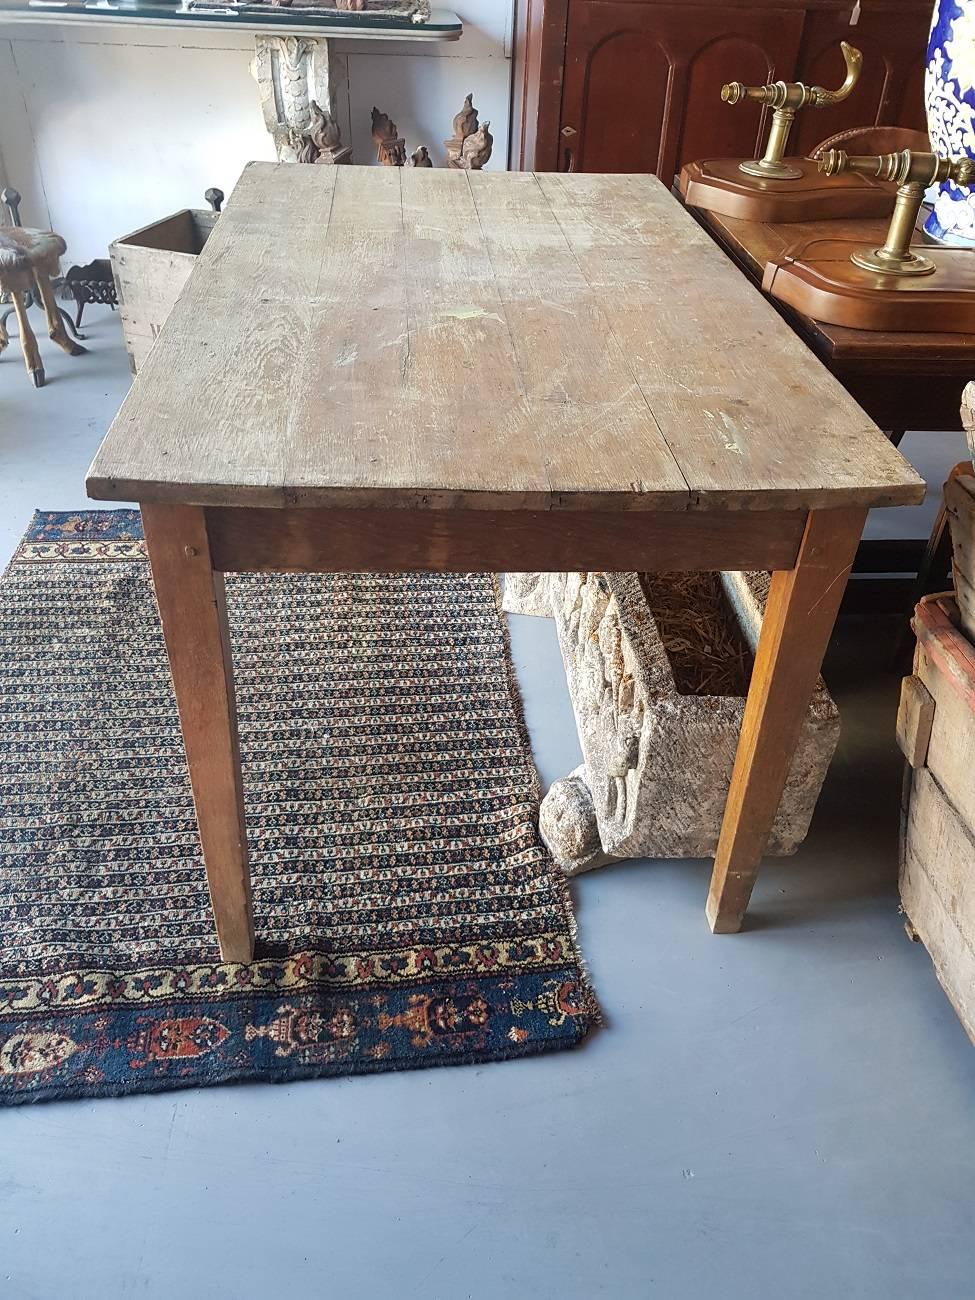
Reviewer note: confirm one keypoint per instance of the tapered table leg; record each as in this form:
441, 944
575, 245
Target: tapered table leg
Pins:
194, 620
802, 607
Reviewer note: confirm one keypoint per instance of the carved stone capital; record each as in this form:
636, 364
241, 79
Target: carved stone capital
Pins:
291, 73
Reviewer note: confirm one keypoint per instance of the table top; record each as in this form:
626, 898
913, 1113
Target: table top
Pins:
443, 25
754, 243
423, 337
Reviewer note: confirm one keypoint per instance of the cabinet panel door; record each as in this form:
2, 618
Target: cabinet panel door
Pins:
642, 82
890, 92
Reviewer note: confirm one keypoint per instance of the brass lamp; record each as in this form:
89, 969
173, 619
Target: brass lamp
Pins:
913, 173
786, 98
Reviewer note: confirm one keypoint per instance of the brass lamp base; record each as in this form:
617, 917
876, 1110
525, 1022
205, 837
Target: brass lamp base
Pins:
779, 171
879, 259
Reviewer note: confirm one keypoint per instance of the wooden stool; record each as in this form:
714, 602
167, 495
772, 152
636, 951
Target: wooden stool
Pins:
28, 259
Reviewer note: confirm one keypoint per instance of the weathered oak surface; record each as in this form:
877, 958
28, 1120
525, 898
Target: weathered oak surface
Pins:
430, 338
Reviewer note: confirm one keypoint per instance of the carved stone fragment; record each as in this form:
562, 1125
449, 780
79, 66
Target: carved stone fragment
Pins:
567, 821
657, 762
527, 593
292, 73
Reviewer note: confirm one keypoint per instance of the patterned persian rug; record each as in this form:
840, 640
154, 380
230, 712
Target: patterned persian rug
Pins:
406, 912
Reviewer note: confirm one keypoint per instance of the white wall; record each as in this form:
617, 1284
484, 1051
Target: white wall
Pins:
105, 130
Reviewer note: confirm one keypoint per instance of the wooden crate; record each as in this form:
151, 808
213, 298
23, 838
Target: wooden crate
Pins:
151, 266
960, 508
936, 732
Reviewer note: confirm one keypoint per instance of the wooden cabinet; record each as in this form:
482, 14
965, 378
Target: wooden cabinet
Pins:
890, 91
642, 83
633, 85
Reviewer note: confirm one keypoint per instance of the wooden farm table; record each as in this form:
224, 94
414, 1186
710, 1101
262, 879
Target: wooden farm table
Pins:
388, 369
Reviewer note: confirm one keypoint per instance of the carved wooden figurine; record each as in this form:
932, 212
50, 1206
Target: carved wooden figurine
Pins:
469, 148
321, 140
465, 122
390, 148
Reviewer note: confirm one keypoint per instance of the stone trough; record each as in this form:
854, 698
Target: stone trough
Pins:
658, 748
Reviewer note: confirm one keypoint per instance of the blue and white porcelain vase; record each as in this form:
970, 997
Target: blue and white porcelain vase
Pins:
949, 98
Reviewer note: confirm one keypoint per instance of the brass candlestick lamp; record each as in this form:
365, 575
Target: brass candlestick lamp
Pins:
913, 173
786, 98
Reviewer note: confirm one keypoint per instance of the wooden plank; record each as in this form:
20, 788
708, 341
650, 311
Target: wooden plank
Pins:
436, 394
945, 666
753, 420
278, 189
419, 337
937, 886
935, 623
149, 282
385, 541
915, 714
798, 620
960, 508
564, 344
193, 611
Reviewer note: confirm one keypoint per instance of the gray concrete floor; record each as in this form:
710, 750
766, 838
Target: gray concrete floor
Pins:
784, 1113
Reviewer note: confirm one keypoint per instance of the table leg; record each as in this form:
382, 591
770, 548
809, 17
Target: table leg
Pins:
802, 607
193, 611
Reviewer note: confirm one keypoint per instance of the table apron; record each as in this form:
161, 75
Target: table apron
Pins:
309, 540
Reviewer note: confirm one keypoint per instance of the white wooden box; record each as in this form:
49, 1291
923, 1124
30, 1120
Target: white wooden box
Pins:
936, 731
151, 266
